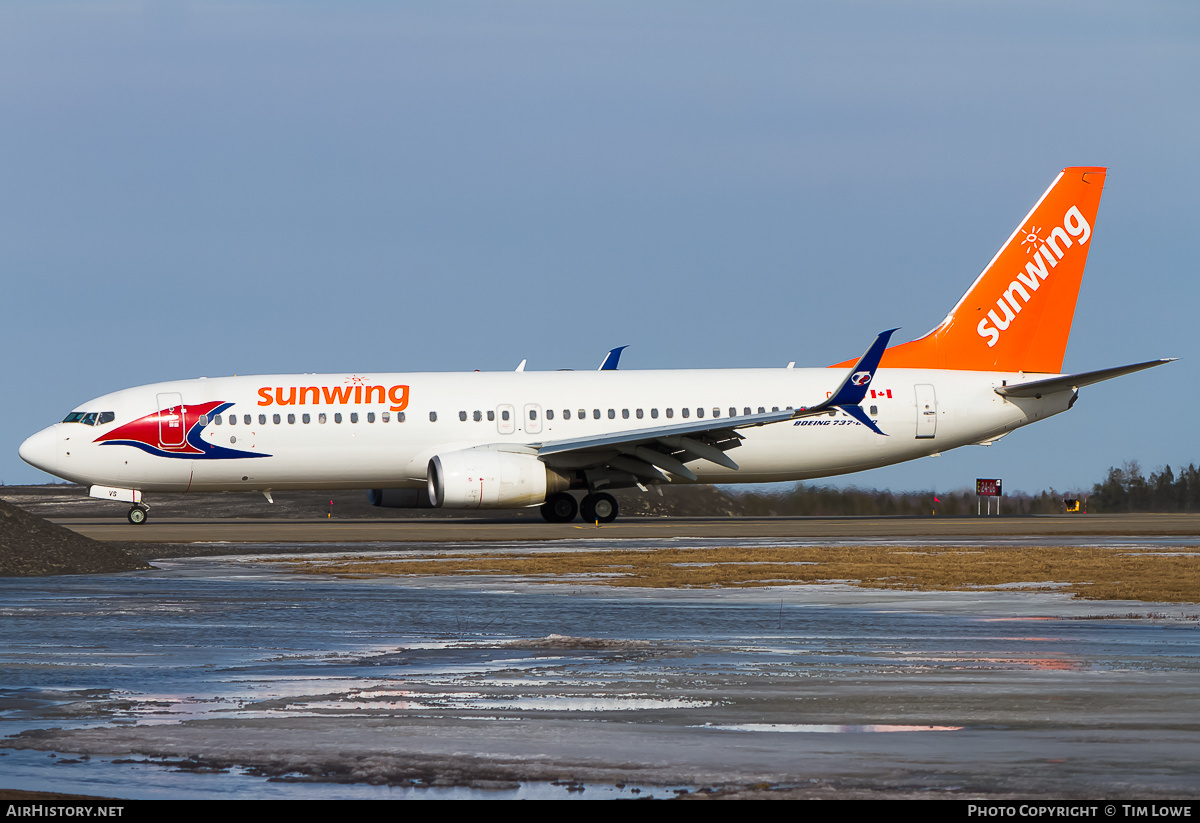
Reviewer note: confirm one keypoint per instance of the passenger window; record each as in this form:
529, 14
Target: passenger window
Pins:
699, 412
321, 417
533, 414
639, 414
654, 413
732, 411
549, 414
774, 408
217, 419
624, 414
337, 417
670, 413
400, 417
477, 416
566, 414
246, 419
353, 417
462, 416
746, 410
385, 417
504, 415
491, 416
203, 421
686, 412
874, 410
762, 410
274, 418
291, 418
612, 414
262, 420
582, 415
596, 414
433, 417
306, 418
233, 419
370, 417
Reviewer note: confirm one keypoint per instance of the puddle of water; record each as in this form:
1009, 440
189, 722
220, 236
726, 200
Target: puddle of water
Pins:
347, 670
825, 728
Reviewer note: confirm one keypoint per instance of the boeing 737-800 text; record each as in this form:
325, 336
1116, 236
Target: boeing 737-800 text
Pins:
518, 439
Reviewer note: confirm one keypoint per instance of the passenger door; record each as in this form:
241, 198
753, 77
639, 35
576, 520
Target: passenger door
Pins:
506, 419
533, 419
171, 430
926, 411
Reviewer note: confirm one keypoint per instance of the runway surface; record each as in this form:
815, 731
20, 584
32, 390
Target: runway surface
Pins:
228, 677
186, 530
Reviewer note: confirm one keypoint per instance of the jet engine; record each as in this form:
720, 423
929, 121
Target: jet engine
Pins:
488, 479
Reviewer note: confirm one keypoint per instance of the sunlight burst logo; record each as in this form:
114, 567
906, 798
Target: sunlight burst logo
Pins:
1032, 239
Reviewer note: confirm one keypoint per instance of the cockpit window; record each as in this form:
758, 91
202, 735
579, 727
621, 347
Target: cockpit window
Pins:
90, 418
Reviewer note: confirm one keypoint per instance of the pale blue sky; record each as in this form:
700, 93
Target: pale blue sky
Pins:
216, 188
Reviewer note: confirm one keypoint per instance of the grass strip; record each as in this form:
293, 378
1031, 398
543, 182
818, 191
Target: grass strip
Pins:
1167, 575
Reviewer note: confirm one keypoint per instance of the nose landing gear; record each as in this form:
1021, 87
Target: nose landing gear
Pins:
137, 514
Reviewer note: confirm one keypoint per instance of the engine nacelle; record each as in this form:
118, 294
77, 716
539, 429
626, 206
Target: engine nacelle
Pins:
399, 498
487, 479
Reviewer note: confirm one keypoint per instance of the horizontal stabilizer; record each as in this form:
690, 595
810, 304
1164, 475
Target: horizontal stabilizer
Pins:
1067, 382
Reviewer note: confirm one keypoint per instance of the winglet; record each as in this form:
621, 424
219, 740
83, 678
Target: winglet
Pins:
612, 358
854, 388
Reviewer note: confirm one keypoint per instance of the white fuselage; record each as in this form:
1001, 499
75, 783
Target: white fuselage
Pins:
395, 423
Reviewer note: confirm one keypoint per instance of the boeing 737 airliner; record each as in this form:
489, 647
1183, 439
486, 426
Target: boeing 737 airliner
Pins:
518, 439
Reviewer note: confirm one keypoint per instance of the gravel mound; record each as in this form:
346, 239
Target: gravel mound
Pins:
33, 547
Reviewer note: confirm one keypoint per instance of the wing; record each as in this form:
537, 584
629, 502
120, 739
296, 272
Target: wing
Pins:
655, 454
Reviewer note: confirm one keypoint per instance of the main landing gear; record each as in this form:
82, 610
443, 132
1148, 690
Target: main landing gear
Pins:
137, 514
561, 508
598, 507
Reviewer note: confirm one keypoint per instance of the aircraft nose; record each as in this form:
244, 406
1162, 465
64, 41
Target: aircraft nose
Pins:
41, 450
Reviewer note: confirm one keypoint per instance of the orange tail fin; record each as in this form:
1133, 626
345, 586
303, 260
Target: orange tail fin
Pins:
1017, 315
